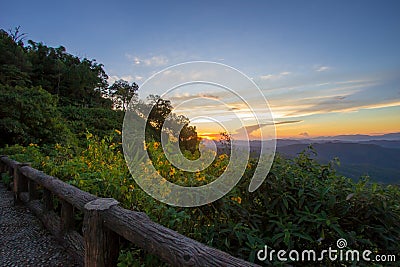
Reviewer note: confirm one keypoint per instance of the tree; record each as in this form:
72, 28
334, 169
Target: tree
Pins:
16, 35
15, 67
161, 109
75, 81
122, 92
225, 142
188, 139
30, 115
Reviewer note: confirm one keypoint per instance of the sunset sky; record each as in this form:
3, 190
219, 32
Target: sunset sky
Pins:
325, 67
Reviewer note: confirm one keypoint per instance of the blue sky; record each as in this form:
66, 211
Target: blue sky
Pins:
310, 58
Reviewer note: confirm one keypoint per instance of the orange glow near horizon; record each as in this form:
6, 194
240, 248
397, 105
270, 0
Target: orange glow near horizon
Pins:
208, 135
368, 122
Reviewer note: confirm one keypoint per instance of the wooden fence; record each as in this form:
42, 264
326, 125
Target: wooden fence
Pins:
104, 223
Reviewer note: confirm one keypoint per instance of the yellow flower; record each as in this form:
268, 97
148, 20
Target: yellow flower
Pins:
172, 171
237, 199
156, 145
117, 131
222, 157
202, 178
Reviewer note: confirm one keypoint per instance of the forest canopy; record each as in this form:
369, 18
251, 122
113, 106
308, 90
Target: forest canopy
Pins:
49, 96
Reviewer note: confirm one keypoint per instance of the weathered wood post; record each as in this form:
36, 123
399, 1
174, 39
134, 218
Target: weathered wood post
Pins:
32, 190
67, 217
3, 168
2, 164
101, 244
20, 182
48, 200
10, 174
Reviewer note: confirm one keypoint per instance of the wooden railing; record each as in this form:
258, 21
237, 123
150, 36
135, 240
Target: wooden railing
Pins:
104, 223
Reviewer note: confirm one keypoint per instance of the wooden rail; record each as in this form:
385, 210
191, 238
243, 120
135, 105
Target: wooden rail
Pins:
104, 223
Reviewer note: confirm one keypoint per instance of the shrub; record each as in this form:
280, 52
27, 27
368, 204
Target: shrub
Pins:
301, 205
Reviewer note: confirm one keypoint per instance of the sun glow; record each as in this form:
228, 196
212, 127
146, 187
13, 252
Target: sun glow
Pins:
209, 136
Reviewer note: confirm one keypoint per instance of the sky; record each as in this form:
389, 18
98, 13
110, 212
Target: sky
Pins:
325, 67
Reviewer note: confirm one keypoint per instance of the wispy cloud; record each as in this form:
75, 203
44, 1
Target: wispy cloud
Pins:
304, 134
187, 96
340, 107
154, 61
324, 97
274, 76
322, 68
128, 78
251, 128
354, 81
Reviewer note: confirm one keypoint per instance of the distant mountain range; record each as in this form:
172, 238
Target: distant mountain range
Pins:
361, 137
357, 159
377, 156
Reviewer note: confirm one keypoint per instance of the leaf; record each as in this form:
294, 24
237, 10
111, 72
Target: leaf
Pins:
285, 202
303, 236
349, 196
286, 239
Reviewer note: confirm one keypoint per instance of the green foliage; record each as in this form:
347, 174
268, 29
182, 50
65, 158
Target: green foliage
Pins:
301, 205
74, 80
30, 115
5, 178
98, 121
14, 64
36, 80
122, 92
161, 110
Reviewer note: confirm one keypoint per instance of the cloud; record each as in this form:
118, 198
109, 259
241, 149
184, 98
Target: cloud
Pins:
187, 96
322, 68
154, 61
284, 73
267, 77
305, 134
341, 106
335, 96
128, 78
353, 81
286, 122
251, 128
275, 76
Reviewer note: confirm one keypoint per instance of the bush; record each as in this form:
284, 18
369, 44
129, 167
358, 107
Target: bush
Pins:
301, 205
29, 115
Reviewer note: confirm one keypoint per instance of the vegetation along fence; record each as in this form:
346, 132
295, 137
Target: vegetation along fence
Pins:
104, 223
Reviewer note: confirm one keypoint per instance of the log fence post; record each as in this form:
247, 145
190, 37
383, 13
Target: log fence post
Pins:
32, 190
67, 217
2, 164
20, 182
101, 244
48, 200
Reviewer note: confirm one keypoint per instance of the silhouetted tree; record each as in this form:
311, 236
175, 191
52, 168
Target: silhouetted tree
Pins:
122, 92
